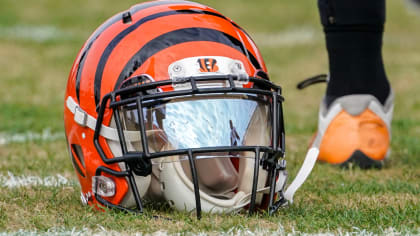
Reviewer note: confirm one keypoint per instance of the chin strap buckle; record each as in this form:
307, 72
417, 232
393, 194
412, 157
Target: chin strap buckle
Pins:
280, 187
286, 196
268, 163
282, 202
80, 116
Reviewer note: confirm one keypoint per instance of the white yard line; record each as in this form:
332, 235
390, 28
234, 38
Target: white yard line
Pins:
289, 37
13, 181
37, 33
232, 232
45, 135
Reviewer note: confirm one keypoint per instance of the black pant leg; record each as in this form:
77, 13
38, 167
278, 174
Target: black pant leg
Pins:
354, 31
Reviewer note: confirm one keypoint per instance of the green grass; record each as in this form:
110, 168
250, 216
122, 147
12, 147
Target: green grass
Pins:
33, 75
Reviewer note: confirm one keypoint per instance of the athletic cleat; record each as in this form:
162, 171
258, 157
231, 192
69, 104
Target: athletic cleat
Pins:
355, 129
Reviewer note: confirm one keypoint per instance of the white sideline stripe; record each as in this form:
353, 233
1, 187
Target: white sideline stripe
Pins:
45, 135
12, 181
100, 230
289, 37
37, 33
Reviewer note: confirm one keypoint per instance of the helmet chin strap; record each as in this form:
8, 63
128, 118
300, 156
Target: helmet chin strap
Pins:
83, 119
303, 173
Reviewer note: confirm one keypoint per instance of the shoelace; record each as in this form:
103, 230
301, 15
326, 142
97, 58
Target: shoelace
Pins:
313, 80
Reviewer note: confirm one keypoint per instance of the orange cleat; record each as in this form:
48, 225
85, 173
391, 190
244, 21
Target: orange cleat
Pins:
355, 129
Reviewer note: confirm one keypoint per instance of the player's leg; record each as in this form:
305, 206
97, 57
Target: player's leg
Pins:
355, 114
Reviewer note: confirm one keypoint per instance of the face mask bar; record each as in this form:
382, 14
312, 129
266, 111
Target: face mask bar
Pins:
140, 162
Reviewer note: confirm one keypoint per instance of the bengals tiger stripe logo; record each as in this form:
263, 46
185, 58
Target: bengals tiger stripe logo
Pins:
208, 65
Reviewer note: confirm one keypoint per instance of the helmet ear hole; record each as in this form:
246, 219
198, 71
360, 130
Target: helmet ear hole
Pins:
77, 153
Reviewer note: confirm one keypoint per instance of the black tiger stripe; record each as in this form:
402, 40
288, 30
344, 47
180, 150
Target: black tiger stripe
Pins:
108, 50
202, 64
86, 49
213, 63
102, 28
177, 37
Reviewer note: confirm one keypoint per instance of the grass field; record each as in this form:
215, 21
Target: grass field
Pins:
38, 190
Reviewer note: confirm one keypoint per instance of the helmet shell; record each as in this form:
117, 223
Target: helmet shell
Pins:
146, 39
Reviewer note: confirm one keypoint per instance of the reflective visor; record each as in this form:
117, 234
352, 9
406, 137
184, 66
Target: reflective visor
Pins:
203, 121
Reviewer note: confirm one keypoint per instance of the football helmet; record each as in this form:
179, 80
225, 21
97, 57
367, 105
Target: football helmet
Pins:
170, 100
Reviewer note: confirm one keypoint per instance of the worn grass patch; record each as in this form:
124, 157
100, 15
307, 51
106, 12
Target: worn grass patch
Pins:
37, 158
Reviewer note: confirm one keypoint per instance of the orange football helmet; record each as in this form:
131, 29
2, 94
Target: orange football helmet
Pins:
170, 100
